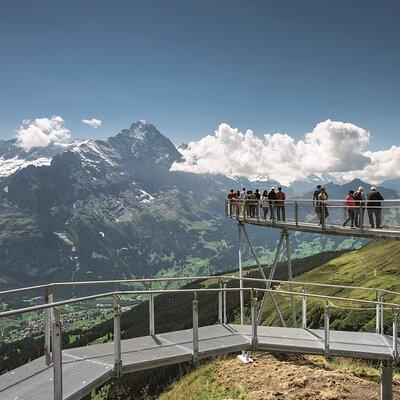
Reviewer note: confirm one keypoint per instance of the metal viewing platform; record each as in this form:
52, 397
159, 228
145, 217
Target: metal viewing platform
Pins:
73, 373
301, 216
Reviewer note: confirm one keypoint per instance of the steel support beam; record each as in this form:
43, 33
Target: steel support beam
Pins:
386, 380
268, 284
241, 294
290, 277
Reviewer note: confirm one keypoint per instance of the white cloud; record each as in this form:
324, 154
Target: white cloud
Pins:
94, 122
385, 164
333, 147
41, 132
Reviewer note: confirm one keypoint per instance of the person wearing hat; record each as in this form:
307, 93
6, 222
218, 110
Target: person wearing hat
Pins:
374, 207
359, 197
272, 200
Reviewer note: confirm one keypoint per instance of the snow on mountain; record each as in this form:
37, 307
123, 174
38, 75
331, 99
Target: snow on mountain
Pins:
10, 165
142, 141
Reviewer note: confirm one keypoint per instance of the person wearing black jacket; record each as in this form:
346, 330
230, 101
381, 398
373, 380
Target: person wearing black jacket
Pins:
374, 207
272, 200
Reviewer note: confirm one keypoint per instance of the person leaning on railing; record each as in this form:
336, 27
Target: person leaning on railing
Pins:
374, 207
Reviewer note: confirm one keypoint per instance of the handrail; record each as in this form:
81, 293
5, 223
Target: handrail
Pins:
197, 278
209, 290
311, 200
328, 214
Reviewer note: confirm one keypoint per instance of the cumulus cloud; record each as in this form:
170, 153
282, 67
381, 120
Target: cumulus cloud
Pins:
41, 132
94, 122
334, 147
385, 164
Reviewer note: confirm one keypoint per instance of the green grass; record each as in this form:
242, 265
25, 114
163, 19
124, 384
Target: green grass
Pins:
373, 266
202, 384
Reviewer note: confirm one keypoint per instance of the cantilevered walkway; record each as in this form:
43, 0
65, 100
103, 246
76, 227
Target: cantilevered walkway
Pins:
301, 217
73, 373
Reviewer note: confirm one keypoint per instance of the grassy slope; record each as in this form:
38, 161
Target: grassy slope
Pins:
310, 377
375, 266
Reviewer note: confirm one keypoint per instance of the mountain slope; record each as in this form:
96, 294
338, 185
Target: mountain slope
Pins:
338, 192
112, 208
375, 265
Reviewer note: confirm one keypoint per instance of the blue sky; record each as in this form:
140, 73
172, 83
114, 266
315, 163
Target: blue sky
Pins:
189, 65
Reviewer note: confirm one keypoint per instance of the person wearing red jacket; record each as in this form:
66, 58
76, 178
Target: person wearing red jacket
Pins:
351, 207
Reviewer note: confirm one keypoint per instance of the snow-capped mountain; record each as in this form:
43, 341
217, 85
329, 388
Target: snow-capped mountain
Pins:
112, 208
142, 141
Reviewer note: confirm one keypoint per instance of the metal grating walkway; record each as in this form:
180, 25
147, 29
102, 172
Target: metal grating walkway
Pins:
312, 227
86, 368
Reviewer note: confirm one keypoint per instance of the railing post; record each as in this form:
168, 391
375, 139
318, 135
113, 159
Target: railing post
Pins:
258, 211
48, 297
195, 312
117, 336
378, 314
273, 208
254, 320
381, 316
326, 329
296, 212
224, 304
151, 314
395, 333
360, 217
304, 310
57, 356
220, 305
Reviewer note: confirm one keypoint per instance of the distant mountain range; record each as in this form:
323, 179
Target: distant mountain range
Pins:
112, 208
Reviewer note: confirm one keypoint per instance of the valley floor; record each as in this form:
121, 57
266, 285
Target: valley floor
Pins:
281, 377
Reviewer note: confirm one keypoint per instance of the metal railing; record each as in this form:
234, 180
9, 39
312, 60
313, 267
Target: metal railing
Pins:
53, 325
305, 212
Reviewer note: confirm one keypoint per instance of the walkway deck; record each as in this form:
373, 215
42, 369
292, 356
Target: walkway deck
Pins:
86, 368
313, 227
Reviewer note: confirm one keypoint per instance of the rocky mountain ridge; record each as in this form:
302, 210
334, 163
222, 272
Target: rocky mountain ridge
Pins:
112, 209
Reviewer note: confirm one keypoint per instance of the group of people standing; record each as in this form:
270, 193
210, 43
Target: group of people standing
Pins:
356, 202
273, 202
270, 201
